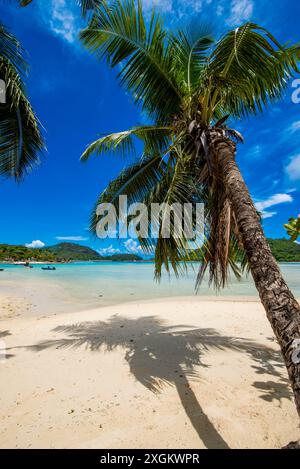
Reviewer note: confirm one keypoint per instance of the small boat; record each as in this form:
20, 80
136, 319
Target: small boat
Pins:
27, 265
48, 268
1, 270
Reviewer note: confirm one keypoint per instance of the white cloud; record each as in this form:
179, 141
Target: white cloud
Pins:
35, 244
62, 17
178, 9
220, 10
255, 152
184, 7
290, 191
293, 168
164, 6
64, 22
71, 238
275, 199
133, 246
294, 127
265, 214
240, 11
109, 250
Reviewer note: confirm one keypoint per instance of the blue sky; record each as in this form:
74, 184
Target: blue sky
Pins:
77, 98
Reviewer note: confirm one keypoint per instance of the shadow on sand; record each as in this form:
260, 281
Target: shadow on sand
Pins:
270, 362
159, 354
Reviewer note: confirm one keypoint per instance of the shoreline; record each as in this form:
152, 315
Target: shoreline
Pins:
37, 297
37, 293
32, 303
73, 261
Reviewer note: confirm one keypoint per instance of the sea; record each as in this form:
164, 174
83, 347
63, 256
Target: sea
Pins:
93, 284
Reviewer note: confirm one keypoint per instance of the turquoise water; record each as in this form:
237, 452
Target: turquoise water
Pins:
112, 282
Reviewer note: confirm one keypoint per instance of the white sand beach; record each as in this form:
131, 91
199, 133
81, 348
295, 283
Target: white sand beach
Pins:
168, 373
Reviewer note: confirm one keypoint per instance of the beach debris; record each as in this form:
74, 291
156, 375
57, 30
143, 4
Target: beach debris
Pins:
71, 411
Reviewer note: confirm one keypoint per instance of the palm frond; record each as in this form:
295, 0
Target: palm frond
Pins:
20, 135
11, 51
249, 69
135, 181
20, 141
118, 32
88, 6
176, 187
221, 248
190, 50
156, 139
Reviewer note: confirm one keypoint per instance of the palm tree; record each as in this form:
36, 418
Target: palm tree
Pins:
20, 134
190, 86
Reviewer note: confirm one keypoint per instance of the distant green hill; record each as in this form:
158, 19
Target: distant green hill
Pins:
123, 257
72, 251
58, 253
285, 250
12, 253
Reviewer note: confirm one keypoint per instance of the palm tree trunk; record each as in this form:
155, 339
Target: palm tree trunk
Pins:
282, 309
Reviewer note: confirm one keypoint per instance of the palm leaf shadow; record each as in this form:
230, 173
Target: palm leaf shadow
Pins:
158, 354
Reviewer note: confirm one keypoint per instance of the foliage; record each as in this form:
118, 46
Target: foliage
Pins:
293, 228
189, 86
20, 134
283, 250
11, 253
123, 257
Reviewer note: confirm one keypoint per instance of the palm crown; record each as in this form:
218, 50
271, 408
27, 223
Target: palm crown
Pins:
188, 85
